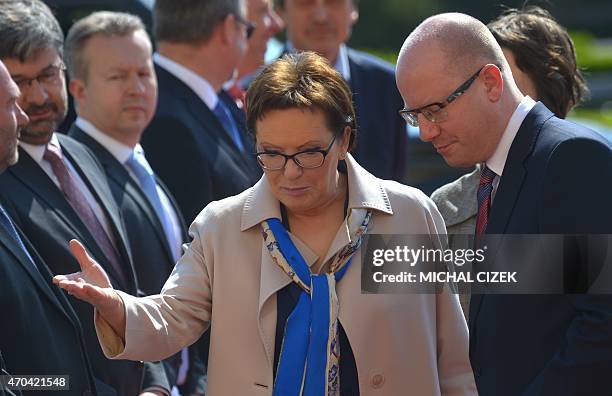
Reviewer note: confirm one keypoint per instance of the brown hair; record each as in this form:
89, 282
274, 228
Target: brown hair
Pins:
544, 51
304, 81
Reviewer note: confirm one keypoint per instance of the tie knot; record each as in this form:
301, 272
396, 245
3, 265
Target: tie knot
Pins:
487, 176
138, 163
53, 153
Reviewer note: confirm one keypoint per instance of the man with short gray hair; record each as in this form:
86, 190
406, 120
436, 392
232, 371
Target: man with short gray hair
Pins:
115, 91
540, 175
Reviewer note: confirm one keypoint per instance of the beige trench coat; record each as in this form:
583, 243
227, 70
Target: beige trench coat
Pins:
404, 344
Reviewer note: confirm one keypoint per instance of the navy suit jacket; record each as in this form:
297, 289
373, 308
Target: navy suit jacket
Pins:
381, 132
556, 181
40, 209
39, 331
190, 151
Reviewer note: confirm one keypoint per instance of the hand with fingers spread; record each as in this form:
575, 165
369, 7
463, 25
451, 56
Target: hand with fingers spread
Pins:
92, 285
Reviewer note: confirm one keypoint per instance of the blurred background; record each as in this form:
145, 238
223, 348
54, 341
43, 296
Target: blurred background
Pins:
383, 25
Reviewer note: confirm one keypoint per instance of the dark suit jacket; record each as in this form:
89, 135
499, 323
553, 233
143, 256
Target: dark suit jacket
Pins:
556, 181
381, 132
151, 252
189, 150
39, 208
39, 331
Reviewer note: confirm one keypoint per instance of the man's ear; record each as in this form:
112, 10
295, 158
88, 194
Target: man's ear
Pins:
76, 87
494, 82
227, 29
354, 14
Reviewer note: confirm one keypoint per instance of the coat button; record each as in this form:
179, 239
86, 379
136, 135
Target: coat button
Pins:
377, 381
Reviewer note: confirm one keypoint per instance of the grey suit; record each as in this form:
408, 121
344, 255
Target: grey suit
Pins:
456, 201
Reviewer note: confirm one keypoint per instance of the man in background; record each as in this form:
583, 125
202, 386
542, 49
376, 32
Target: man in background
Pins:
58, 190
324, 27
39, 332
194, 142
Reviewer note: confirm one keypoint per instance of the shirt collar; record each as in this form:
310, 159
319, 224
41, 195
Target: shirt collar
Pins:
197, 83
120, 151
365, 191
342, 62
37, 151
498, 160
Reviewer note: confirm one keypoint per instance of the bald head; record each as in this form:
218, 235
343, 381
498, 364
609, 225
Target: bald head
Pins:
457, 86
463, 42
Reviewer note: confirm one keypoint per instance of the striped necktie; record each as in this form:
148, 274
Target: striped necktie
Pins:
485, 188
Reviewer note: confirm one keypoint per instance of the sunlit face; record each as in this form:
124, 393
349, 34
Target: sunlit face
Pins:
523, 81
12, 119
267, 24
319, 25
464, 138
119, 94
43, 93
292, 130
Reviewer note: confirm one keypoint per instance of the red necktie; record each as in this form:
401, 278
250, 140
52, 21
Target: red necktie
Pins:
238, 94
77, 200
485, 188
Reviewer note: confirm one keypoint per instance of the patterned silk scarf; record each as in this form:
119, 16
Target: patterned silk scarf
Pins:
310, 353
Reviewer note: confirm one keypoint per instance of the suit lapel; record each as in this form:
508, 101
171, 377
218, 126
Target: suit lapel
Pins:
37, 274
515, 171
119, 175
510, 187
209, 123
98, 186
33, 177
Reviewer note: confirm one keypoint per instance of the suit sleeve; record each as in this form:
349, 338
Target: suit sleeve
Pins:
576, 200
171, 149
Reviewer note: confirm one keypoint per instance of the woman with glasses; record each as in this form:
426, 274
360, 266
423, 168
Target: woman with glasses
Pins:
276, 271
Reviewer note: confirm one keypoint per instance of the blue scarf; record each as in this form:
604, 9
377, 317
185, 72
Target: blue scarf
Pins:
310, 353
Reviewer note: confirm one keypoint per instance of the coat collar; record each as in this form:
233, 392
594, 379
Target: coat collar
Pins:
365, 191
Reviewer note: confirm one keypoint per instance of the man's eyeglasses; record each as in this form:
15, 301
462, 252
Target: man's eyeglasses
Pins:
435, 112
50, 76
250, 26
307, 159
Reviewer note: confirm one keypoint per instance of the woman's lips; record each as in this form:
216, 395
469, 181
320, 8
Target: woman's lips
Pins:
294, 191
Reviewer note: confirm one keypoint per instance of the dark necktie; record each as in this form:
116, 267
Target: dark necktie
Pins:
485, 188
224, 116
8, 226
77, 200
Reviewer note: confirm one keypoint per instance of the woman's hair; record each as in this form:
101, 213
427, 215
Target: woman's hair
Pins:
302, 81
544, 51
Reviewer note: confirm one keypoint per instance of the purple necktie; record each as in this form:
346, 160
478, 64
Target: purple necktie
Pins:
77, 200
485, 188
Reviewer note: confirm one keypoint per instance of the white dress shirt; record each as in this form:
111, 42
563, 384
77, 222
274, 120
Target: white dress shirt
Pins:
38, 151
197, 83
497, 161
123, 153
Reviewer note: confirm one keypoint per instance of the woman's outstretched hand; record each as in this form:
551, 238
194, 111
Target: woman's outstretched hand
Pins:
92, 285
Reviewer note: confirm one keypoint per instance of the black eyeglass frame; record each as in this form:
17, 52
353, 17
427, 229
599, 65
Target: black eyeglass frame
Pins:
250, 26
44, 78
411, 115
294, 157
